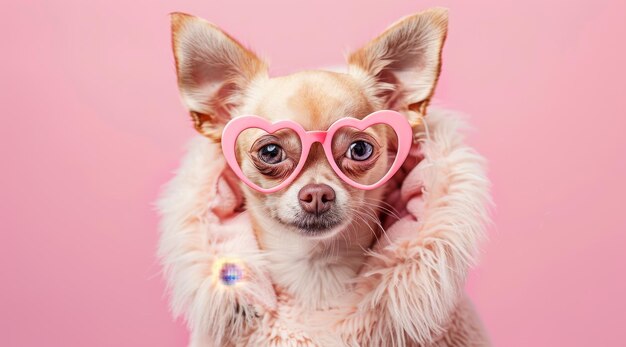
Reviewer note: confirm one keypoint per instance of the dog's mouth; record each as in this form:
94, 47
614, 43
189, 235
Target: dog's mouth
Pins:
315, 225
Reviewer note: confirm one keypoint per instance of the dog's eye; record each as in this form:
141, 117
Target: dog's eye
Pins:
272, 154
360, 150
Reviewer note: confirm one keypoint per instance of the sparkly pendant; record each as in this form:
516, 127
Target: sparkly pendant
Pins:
230, 273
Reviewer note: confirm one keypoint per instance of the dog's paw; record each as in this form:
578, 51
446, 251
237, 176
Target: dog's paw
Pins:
248, 311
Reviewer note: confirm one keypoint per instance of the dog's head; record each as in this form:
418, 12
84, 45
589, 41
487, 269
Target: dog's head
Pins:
220, 79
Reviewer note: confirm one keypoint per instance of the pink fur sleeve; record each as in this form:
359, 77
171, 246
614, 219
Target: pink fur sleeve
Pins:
412, 284
409, 290
202, 227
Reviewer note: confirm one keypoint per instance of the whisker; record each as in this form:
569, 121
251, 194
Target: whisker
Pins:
367, 217
376, 222
364, 220
389, 210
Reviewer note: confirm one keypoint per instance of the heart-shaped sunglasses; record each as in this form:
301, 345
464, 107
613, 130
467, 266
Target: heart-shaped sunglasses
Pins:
365, 153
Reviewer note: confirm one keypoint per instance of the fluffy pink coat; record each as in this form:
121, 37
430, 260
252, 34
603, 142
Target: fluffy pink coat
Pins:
408, 293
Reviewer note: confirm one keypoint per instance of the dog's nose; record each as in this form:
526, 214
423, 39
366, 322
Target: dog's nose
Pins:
316, 198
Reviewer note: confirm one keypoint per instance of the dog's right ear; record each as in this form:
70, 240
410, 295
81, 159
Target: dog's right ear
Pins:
213, 72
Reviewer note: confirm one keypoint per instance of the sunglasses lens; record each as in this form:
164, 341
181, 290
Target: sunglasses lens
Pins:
365, 156
268, 159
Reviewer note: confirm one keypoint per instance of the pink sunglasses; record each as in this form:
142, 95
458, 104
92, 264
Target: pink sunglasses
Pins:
396, 121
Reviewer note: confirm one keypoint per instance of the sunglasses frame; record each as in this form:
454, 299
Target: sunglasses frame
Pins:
395, 120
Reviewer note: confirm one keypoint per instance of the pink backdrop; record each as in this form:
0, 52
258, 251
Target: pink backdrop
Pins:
93, 126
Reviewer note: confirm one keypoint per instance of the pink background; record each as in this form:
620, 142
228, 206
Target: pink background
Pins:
92, 126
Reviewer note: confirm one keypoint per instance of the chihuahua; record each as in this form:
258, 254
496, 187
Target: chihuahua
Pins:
315, 231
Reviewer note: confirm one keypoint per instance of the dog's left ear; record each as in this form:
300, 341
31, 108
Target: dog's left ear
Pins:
400, 67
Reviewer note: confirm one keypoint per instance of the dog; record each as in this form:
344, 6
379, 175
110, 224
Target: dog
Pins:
311, 254
314, 233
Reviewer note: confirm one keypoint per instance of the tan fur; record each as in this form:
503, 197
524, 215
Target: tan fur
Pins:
314, 99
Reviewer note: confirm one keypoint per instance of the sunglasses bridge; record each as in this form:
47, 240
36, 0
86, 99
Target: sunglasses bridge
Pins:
317, 135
